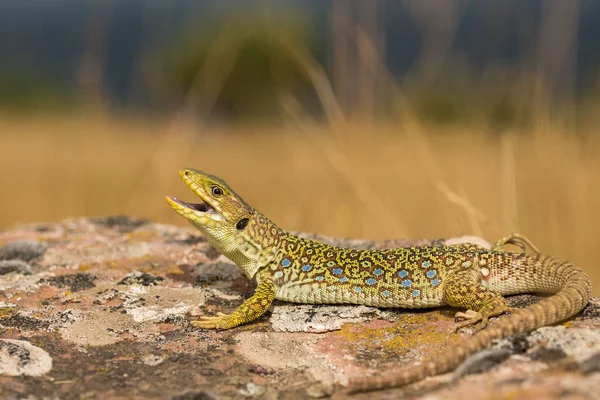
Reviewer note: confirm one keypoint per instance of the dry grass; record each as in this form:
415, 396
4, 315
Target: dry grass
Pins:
372, 183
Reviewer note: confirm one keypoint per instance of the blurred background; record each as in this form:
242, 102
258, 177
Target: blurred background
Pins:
356, 118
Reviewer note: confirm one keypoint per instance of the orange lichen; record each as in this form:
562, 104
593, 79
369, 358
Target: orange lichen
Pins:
174, 270
7, 312
412, 331
85, 267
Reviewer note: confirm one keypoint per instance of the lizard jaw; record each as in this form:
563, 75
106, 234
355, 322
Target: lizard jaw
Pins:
199, 210
199, 207
194, 212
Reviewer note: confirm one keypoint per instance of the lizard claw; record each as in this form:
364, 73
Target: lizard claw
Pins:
467, 318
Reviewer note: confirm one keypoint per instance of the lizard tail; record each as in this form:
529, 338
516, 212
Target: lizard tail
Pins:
573, 290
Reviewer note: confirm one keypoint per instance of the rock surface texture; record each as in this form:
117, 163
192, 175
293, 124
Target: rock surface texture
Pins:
101, 308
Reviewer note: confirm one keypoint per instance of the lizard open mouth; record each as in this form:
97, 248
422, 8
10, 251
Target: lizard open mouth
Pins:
201, 207
206, 206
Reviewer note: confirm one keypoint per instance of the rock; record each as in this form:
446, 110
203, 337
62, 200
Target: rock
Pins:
140, 278
18, 357
319, 390
152, 360
24, 250
592, 364
319, 318
15, 256
19, 266
577, 343
106, 310
252, 390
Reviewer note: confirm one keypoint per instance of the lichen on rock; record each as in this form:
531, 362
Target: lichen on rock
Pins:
106, 306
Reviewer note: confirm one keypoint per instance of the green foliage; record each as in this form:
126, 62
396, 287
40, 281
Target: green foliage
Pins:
246, 60
499, 97
26, 89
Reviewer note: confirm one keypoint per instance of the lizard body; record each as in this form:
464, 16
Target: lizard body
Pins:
294, 269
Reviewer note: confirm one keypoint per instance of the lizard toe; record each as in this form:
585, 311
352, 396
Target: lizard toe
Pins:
205, 324
211, 322
467, 315
468, 318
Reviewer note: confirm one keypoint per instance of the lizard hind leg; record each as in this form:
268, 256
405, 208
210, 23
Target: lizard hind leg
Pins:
515, 239
462, 289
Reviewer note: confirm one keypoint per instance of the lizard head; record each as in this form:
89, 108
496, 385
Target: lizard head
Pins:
234, 228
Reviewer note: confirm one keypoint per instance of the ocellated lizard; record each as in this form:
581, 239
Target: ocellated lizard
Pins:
294, 269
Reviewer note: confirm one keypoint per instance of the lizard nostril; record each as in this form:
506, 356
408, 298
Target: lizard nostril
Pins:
186, 173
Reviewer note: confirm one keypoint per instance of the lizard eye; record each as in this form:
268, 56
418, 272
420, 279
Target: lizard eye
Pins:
217, 191
242, 223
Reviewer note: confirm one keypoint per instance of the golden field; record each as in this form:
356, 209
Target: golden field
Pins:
384, 181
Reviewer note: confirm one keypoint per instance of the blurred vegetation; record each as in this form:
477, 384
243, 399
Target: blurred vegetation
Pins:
463, 96
396, 122
250, 53
32, 89
240, 62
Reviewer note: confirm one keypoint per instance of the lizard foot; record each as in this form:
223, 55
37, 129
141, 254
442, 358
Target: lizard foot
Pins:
220, 321
468, 318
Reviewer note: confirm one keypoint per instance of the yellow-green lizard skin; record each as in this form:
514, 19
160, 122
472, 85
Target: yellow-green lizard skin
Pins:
294, 269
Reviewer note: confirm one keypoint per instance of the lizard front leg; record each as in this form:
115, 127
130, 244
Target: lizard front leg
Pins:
249, 310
